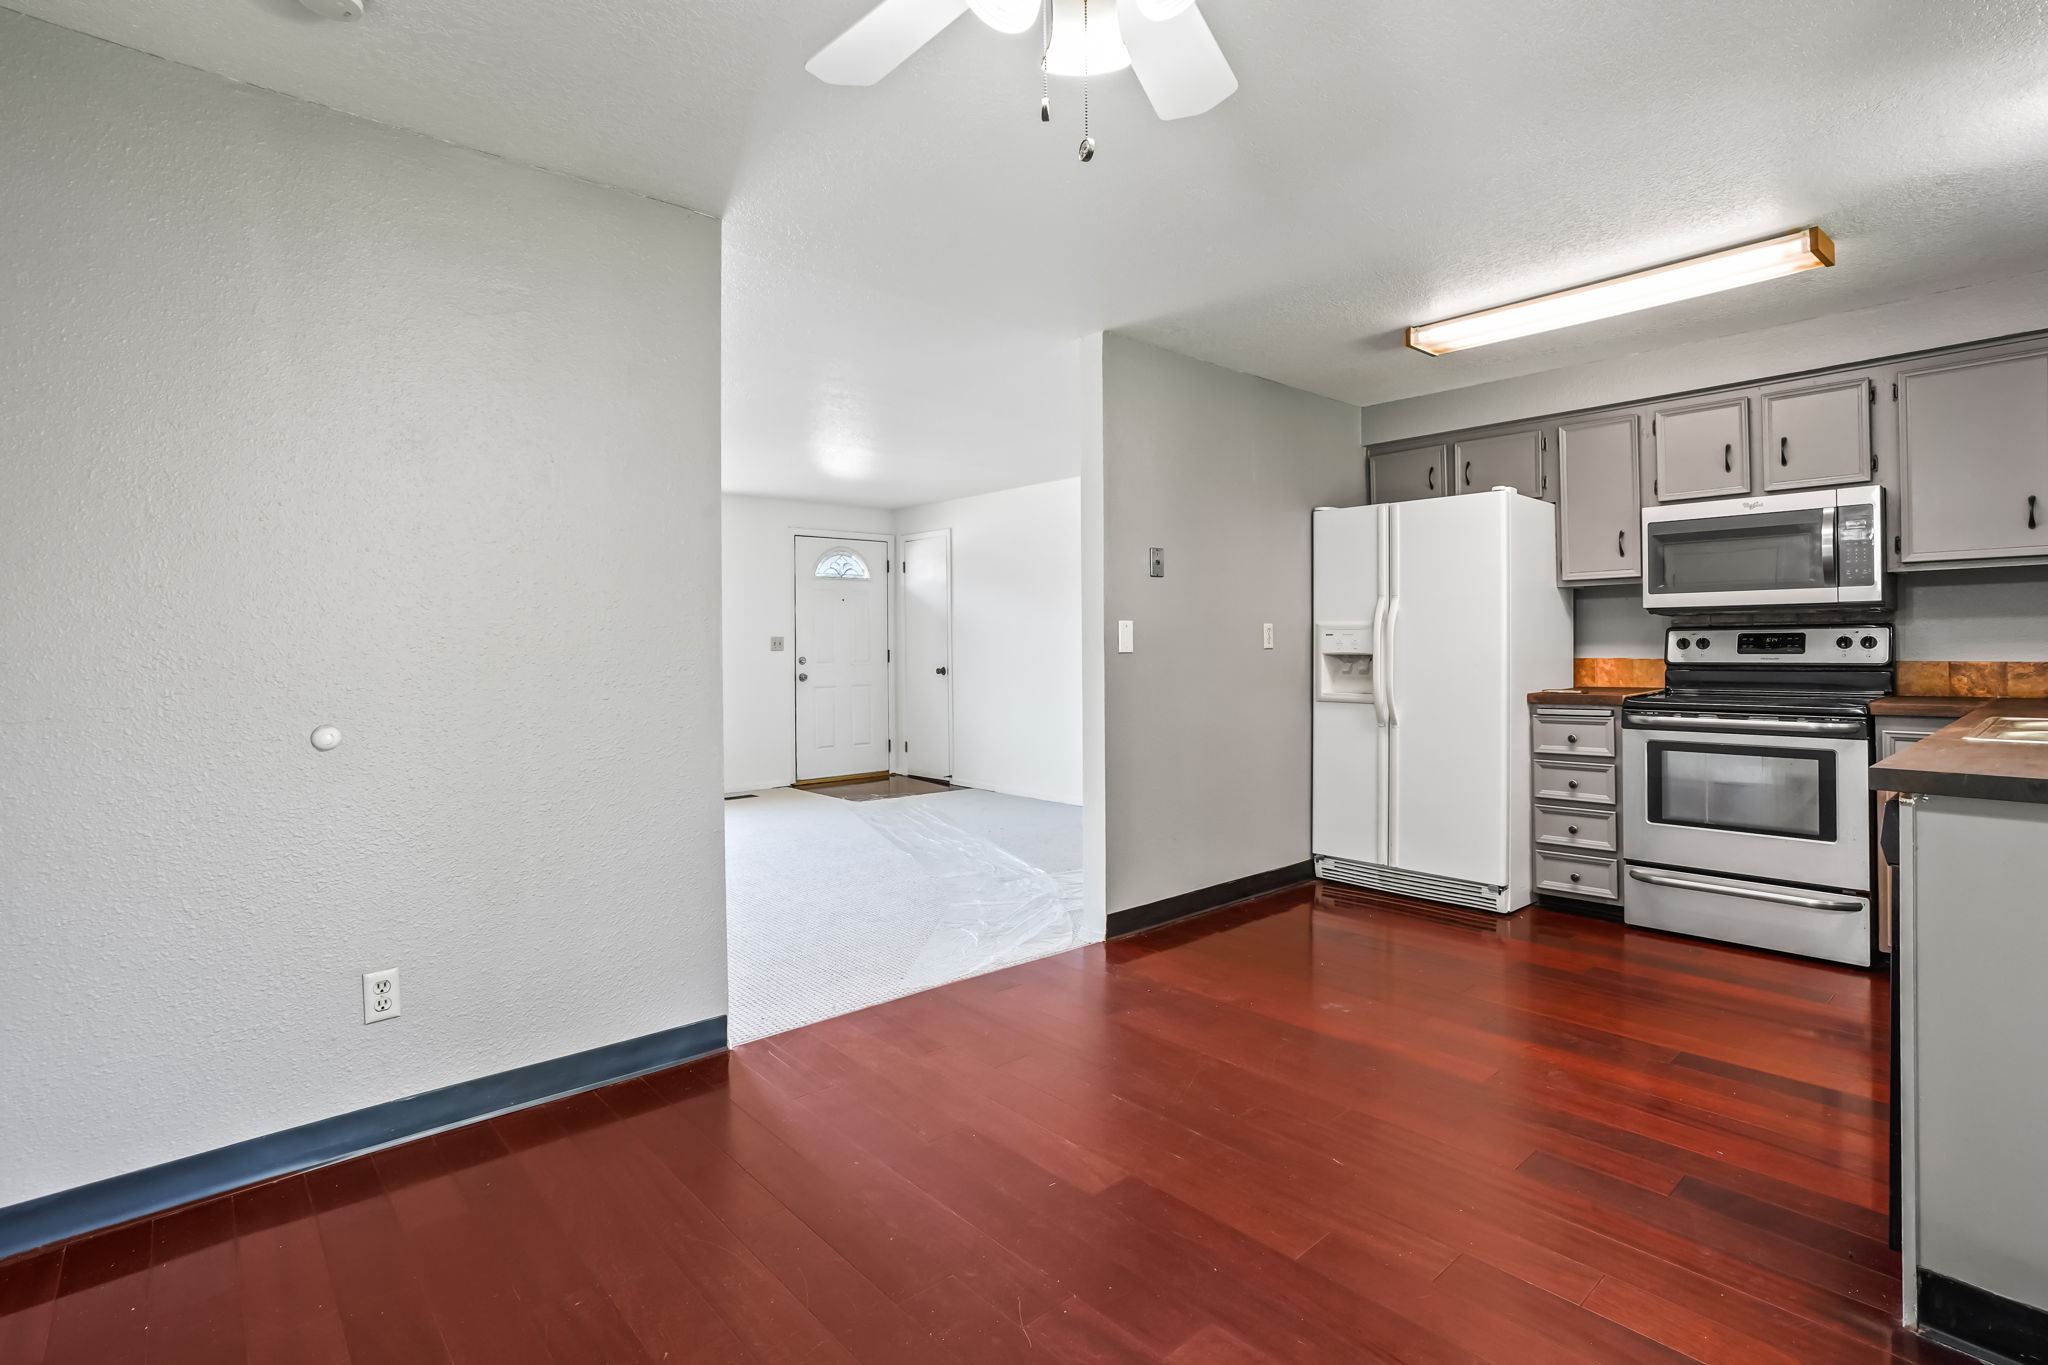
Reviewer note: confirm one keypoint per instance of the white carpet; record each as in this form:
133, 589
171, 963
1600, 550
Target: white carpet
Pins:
832, 905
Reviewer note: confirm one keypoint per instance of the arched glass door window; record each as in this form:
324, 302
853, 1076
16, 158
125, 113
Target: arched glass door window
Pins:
840, 564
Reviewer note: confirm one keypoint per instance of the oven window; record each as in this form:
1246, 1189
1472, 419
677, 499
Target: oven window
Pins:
1760, 552
1747, 790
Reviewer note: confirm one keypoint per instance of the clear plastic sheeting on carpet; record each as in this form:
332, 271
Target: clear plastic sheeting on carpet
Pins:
835, 905
1000, 910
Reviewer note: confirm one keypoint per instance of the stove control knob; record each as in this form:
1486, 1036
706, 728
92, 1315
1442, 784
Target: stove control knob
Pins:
1685, 644
1843, 642
1704, 642
1869, 642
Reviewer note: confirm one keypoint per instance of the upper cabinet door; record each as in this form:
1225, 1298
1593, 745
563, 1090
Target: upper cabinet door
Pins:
1599, 501
1973, 459
1514, 459
1816, 436
1702, 449
1404, 475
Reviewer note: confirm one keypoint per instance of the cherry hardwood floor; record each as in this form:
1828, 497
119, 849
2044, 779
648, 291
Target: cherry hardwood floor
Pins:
1319, 1127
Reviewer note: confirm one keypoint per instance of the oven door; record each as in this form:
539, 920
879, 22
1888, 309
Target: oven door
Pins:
1775, 551
1780, 798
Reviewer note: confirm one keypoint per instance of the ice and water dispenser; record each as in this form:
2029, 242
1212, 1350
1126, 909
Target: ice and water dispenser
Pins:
1344, 661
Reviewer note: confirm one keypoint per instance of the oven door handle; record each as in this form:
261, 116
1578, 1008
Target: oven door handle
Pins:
1749, 893
1646, 720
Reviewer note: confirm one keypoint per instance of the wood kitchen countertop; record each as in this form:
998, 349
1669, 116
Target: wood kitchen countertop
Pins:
1586, 696
1949, 763
1928, 706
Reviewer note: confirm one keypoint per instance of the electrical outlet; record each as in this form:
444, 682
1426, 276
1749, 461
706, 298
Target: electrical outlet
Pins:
1266, 637
380, 995
775, 644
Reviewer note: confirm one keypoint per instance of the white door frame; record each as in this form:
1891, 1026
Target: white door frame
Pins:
887, 539
900, 761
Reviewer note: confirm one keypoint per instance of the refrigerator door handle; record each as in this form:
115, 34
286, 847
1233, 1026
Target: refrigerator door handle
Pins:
1379, 655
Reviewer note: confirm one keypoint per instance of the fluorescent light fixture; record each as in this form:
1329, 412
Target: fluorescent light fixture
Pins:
1688, 279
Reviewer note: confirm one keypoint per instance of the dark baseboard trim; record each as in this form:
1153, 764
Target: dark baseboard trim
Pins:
1590, 909
137, 1194
1979, 1318
1141, 917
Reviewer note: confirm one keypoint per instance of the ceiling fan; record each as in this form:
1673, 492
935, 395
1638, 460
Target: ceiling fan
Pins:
1166, 43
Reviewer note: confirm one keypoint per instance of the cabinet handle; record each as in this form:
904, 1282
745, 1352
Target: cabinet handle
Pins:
1575, 876
1468, 473
1783, 442
1571, 739
1620, 539
1571, 829
1728, 458
2031, 521
1572, 784
1432, 478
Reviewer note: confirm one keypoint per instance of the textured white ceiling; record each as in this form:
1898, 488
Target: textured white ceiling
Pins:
905, 261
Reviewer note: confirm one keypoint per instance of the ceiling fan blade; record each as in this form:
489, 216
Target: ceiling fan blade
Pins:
1177, 61
882, 39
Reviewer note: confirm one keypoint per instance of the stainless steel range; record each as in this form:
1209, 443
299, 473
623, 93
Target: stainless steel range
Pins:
1747, 804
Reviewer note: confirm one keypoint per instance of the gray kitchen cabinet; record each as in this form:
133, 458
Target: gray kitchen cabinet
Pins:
1575, 786
1404, 475
1599, 499
1973, 459
1702, 449
1514, 458
1816, 435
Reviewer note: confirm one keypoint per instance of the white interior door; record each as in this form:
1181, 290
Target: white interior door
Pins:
842, 657
927, 673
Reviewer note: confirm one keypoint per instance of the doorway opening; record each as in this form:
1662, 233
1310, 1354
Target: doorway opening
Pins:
901, 688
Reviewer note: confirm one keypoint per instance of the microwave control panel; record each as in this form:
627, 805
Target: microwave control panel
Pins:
1864, 644
1856, 562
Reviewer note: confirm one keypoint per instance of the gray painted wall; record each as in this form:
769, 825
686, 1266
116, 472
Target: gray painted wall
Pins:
1205, 733
311, 420
1947, 614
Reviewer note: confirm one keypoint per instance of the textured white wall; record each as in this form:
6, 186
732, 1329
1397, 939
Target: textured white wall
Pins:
1206, 734
1016, 664
310, 420
760, 602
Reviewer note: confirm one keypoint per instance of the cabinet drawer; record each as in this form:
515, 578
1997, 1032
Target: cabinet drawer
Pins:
1592, 783
1580, 735
1568, 874
1590, 831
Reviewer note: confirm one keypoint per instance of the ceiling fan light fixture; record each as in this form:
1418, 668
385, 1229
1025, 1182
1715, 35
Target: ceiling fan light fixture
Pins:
1006, 16
1805, 249
1098, 53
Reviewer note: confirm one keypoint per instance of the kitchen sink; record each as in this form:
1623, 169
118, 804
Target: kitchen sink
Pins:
2013, 730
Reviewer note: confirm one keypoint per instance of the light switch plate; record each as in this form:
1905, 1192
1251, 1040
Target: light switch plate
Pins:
775, 644
1266, 636
1126, 637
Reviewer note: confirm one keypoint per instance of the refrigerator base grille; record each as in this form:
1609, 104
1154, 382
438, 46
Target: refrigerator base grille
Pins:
1427, 886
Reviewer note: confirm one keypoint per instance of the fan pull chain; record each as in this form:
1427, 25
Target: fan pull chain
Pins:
1044, 48
1087, 148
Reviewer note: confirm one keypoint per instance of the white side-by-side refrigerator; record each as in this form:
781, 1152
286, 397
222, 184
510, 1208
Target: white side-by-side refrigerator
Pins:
1434, 620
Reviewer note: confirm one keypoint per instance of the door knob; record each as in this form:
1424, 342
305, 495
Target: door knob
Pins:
803, 677
940, 670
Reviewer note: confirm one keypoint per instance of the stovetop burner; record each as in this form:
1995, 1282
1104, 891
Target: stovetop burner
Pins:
1771, 670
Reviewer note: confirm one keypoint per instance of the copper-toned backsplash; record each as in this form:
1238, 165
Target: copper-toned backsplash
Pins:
1952, 678
1618, 673
1957, 678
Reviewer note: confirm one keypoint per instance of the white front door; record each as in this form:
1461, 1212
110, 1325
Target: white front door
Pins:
842, 657
927, 564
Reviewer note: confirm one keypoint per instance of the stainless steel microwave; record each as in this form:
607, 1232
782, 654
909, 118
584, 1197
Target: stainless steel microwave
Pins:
1814, 548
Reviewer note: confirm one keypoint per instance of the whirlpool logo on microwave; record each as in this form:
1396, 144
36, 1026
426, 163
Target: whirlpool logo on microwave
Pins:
1752, 504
